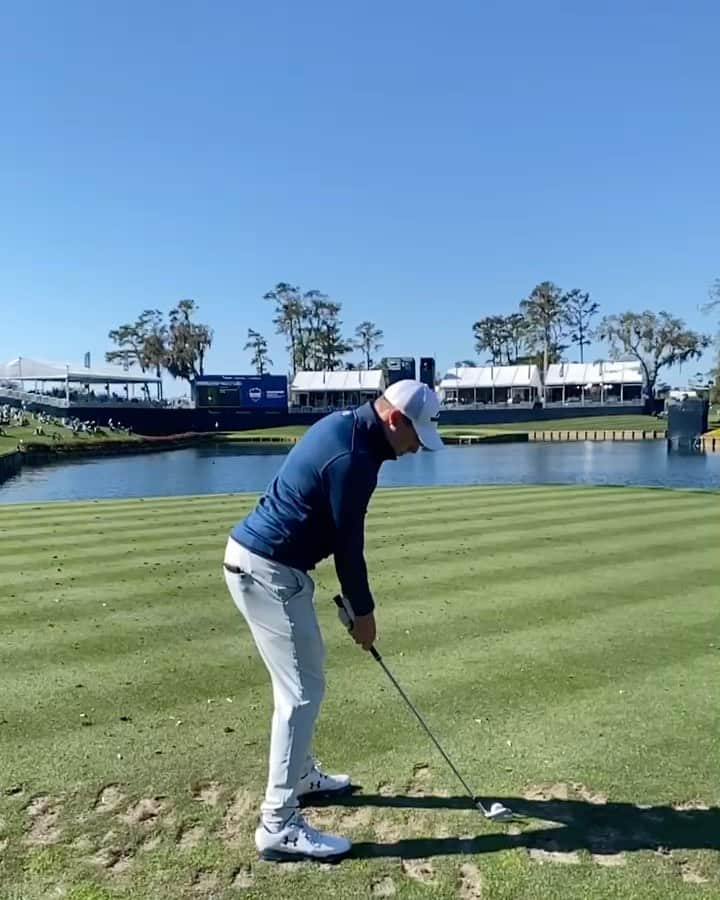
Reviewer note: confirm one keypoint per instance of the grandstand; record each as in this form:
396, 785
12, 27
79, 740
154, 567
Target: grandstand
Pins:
60, 384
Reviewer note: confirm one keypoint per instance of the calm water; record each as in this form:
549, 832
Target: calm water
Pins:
204, 470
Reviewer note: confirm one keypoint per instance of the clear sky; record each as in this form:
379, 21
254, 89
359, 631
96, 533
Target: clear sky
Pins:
425, 164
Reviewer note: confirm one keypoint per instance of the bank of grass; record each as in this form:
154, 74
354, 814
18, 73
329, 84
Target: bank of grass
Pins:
56, 438
291, 433
560, 645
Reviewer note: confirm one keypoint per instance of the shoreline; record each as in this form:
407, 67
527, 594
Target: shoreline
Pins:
38, 453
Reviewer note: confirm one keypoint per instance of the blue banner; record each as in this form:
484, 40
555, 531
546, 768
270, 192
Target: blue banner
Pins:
242, 391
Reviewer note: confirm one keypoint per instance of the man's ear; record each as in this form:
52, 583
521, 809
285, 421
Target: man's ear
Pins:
395, 417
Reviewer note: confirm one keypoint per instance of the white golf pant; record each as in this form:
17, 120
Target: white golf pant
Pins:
277, 603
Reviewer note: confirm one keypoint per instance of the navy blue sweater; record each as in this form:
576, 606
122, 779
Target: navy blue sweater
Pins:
316, 504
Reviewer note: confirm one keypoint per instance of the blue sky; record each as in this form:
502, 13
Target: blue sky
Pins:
424, 164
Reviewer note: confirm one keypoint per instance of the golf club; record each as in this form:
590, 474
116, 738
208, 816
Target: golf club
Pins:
497, 812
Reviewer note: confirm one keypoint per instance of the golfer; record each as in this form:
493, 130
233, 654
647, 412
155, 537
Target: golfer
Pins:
315, 507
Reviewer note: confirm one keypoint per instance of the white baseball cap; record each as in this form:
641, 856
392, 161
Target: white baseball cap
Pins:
420, 404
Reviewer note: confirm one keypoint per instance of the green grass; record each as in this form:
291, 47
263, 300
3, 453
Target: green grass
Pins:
279, 433
13, 434
599, 423
562, 641
591, 423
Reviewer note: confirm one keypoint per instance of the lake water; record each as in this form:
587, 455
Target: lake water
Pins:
231, 469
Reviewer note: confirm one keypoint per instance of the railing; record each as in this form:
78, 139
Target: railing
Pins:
608, 401
79, 400
320, 409
29, 397
516, 404
600, 434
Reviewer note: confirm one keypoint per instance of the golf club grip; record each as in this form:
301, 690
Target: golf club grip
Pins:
339, 603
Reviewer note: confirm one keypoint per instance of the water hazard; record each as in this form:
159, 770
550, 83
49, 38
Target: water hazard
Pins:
231, 469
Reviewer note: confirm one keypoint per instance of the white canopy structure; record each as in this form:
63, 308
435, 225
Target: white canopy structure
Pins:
624, 372
480, 385
597, 382
31, 379
325, 390
24, 368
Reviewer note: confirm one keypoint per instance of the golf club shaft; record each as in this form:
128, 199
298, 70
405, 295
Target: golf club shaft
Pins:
420, 719
347, 618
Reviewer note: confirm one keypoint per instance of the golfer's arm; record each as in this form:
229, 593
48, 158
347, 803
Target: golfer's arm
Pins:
349, 493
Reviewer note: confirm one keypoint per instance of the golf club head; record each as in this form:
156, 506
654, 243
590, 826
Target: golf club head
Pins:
496, 813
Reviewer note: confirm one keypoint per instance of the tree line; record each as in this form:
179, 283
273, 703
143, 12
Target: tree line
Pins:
547, 322
177, 345
309, 320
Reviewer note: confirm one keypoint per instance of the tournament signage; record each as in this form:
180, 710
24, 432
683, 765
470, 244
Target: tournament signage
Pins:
241, 391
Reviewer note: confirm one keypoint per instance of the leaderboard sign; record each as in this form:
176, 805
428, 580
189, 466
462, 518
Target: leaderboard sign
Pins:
398, 368
241, 391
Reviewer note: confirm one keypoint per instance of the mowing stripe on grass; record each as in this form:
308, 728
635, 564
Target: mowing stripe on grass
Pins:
528, 608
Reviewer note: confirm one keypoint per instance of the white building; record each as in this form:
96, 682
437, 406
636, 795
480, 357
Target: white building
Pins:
335, 390
594, 383
491, 385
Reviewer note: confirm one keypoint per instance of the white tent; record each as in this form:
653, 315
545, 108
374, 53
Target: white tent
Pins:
32, 375
603, 381
490, 384
491, 376
594, 373
336, 389
357, 380
24, 368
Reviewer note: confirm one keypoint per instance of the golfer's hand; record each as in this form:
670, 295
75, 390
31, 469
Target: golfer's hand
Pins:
363, 630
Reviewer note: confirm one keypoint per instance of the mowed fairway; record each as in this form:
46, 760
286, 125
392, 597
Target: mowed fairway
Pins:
563, 643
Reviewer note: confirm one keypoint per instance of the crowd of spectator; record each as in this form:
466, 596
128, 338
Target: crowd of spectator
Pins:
22, 417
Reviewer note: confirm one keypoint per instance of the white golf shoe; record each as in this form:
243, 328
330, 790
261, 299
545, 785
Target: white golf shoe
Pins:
297, 841
317, 782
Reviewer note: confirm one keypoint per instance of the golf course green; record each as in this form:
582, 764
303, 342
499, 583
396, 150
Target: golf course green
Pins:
562, 643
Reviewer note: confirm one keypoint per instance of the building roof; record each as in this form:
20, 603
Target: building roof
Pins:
603, 372
491, 376
24, 368
358, 380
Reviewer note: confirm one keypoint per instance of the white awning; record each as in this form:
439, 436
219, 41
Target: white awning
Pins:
625, 372
24, 368
491, 376
318, 382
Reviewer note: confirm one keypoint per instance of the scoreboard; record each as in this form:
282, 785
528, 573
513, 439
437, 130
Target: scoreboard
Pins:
241, 391
398, 368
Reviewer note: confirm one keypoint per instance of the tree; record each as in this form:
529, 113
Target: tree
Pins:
312, 326
515, 334
290, 320
143, 342
656, 340
503, 336
257, 343
488, 333
368, 341
328, 341
188, 342
579, 312
713, 304
316, 312
544, 312
154, 335
130, 344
